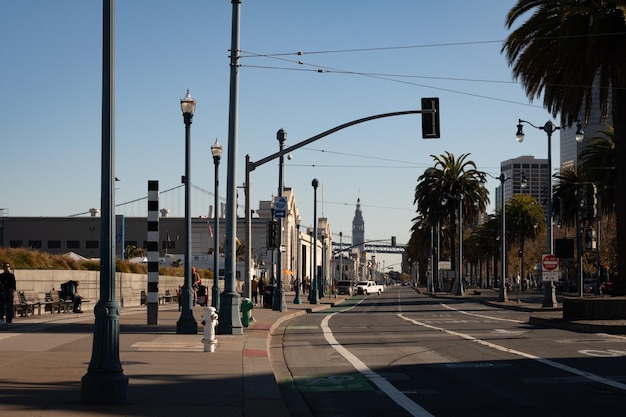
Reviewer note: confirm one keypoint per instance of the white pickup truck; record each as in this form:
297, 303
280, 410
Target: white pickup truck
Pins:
368, 287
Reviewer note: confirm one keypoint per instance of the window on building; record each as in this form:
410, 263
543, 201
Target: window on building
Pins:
54, 244
15, 244
34, 244
92, 244
73, 244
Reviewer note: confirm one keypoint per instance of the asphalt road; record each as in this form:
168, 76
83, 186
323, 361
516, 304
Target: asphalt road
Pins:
403, 353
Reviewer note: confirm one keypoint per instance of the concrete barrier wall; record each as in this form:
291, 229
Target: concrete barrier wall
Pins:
128, 287
612, 308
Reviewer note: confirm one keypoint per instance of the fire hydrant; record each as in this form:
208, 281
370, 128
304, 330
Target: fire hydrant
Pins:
246, 311
209, 320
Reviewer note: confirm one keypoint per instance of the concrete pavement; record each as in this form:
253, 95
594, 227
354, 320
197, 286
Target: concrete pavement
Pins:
43, 358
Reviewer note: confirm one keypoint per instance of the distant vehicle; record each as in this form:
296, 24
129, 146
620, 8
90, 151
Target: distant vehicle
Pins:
369, 287
345, 287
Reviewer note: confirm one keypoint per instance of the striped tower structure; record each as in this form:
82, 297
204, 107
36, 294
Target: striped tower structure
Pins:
153, 252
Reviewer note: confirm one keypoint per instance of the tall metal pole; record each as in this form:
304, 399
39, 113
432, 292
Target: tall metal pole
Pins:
216, 151
314, 295
186, 323
460, 263
229, 320
105, 382
502, 293
298, 268
279, 303
340, 256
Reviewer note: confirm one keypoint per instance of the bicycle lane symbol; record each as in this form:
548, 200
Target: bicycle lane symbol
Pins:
351, 382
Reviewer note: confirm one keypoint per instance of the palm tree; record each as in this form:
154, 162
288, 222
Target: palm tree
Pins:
558, 52
598, 162
525, 220
566, 204
455, 178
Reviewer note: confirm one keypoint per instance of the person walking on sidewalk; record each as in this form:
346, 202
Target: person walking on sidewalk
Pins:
7, 289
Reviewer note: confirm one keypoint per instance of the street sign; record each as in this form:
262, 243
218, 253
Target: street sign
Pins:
550, 276
280, 207
549, 262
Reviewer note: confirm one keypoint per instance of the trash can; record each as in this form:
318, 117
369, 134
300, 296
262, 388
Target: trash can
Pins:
143, 297
246, 311
268, 295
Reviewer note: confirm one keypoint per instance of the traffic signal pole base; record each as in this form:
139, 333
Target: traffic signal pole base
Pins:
549, 299
229, 321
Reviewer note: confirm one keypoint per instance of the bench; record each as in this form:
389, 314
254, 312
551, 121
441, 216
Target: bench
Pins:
19, 307
32, 300
54, 303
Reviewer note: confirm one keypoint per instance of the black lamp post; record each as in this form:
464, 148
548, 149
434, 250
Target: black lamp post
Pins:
105, 382
549, 128
314, 294
298, 271
459, 272
186, 323
216, 151
279, 303
309, 231
502, 293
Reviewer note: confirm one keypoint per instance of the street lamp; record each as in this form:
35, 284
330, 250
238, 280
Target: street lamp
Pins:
279, 293
313, 294
309, 231
323, 278
216, 151
297, 299
105, 382
187, 324
549, 128
459, 272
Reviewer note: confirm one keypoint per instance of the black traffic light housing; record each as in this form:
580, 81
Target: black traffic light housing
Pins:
430, 118
272, 228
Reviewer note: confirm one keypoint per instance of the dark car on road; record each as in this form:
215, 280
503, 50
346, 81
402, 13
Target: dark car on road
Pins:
345, 287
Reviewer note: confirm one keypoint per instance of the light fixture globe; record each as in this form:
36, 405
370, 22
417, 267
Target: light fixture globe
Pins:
216, 150
520, 132
580, 133
188, 104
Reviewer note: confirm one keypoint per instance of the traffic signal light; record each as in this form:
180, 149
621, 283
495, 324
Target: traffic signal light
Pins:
589, 239
272, 227
592, 202
430, 119
393, 241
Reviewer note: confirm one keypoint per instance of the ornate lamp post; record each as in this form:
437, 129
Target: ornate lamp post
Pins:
297, 299
549, 128
279, 293
216, 151
459, 272
105, 382
314, 294
323, 278
186, 323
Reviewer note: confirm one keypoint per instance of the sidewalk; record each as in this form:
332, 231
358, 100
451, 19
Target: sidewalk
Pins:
43, 358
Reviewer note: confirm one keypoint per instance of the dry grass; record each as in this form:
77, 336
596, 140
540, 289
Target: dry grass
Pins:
21, 258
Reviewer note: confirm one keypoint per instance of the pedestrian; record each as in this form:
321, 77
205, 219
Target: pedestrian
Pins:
7, 289
69, 290
255, 289
260, 286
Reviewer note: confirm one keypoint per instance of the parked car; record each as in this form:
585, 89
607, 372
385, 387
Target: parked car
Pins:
345, 287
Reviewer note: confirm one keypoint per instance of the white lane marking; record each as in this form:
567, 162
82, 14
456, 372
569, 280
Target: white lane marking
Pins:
480, 315
392, 392
588, 375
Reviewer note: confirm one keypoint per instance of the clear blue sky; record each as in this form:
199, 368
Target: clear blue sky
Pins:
378, 57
